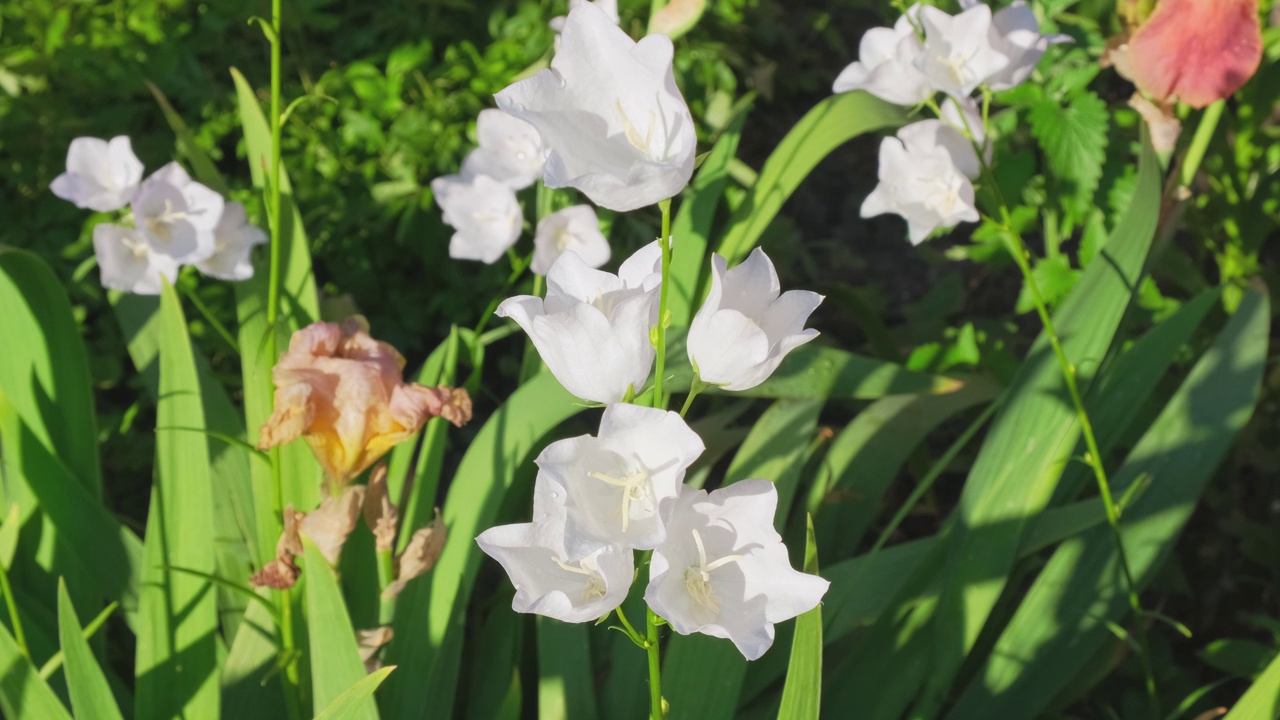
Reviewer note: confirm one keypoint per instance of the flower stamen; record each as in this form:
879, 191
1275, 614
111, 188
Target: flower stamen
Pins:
635, 486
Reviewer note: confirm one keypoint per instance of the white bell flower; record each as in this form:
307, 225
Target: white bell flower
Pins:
126, 262
1016, 33
745, 328
483, 212
620, 485
923, 178
234, 240
609, 109
958, 54
101, 175
886, 64
548, 580
723, 570
510, 151
574, 229
592, 330
610, 8
176, 215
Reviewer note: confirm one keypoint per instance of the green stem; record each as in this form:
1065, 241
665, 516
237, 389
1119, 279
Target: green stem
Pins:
694, 388
12, 606
661, 345
386, 576
655, 666
1200, 142
630, 629
209, 318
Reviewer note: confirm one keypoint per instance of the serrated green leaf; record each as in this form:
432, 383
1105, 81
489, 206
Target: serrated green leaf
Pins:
1074, 139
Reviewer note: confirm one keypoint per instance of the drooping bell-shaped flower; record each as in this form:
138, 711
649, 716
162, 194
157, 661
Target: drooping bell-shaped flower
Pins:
886, 64
510, 151
234, 239
619, 485
176, 215
101, 175
549, 580
126, 262
958, 54
723, 570
592, 330
1015, 32
344, 392
924, 177
484, 214
574, 229
745, 327
610, 8
1197, 51
610, 111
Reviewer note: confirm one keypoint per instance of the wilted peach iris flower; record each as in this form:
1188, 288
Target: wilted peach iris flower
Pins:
345, 393
1197, 51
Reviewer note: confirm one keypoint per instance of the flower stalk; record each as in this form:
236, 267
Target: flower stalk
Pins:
659, 401
655, 666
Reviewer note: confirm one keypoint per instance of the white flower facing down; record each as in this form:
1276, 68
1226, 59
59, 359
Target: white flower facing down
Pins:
101, 175
1016, 33
510, 151
886, 64
126, 262
723, 570
177, 216
620, 485
234, 240
574, 229
548, 580
609, 109
610, 8
923, 181
745, 328
484, 214
592, 330
958, 54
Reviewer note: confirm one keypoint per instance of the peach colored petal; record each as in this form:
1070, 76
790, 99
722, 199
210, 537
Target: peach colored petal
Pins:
282, 572
369, 642
329, 525
293, 416
1198, 51
1164, 126
420, 555
379, 513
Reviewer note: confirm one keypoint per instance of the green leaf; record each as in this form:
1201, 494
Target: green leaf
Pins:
566, 684
334, 655
177, 663
1074, 139
351, 704
1262, 700
22, 693
1063, 619
1236, 656
802, 694
90, 695
830, 124
202, 166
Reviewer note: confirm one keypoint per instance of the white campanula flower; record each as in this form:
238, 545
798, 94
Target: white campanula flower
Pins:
886, 64
621, 484
745, 327
1016, 33
723, 570
592, 330
549, 580
101, 175
176, 215
610, 8
234, 240
609, 109
958, 53
484, 214
574, 229
925, 177
510, 151
127, 262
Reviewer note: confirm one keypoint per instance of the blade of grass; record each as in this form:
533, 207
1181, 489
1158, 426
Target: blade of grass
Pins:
802, 695
22, 693
90, 695
351, 704
334, 656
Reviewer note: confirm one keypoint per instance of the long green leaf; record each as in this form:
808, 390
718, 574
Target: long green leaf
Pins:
1063, 619
802, 695
334, 655
830, 124
22, 693
566, 687
177, 663
351, 704
90, 695
1262, 700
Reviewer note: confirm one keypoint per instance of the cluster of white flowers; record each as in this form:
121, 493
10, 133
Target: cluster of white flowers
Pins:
927, 171
176, 220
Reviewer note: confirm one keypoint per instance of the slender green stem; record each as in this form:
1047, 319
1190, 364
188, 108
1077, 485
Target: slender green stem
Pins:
11, 605
630, 629
695, 387
209, 317
1200, 142
659, 401
655, 666
386, 576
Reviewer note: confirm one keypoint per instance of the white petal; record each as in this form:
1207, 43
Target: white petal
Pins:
126, 263
768, 573
574, 229
639, 269
235, 239
100, 175
485, 214
726, 346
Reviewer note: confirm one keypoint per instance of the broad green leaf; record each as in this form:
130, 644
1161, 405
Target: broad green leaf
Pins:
496, 659
775, 449
830, 124
333, 653
9, 536
802, 695
90, 695
428, 643
22, 693
251, 688
1062, 621
177, 663
1238, 656
1262, 700
692, 226
351, 704
566, 687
